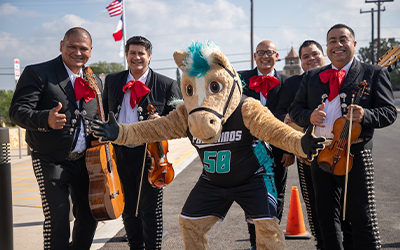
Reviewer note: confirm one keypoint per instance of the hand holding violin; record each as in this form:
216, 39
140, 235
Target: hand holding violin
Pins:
358, 113
106, 131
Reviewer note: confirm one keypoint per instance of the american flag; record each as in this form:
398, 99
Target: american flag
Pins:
115, 8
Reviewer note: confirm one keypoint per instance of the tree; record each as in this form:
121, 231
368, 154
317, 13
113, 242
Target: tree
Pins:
106, 68
5, 103
386, 44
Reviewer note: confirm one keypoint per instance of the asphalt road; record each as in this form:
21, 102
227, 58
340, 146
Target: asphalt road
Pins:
231, 234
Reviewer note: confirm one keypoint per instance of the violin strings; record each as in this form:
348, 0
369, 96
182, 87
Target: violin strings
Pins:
342, 139
345, 133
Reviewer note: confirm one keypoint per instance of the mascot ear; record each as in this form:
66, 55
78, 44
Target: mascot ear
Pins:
179, 58
220, 57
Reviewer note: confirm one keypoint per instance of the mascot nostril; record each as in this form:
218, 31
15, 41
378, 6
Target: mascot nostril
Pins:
204, 126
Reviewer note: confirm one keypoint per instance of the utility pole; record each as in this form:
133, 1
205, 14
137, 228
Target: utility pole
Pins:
251, 33
372, 32
124, 33
378, 2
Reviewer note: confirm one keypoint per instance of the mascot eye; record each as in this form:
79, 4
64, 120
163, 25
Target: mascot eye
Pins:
215, 87
189, 90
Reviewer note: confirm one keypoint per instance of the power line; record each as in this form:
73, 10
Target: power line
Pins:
379, 21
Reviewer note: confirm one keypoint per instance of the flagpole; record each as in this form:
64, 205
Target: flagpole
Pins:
124, 31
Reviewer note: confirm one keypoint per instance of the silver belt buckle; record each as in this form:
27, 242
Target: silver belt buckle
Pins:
358, 140
73, 156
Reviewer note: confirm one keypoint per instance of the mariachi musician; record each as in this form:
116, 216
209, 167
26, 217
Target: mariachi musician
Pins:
55, 107
337, 81
127, 94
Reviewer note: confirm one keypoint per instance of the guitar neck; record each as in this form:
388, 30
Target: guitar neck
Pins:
100, 107
103, 119
390, 57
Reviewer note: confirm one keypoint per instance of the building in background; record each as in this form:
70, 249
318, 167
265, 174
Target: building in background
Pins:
292, 64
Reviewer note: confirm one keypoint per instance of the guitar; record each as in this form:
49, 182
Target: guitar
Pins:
390, 57
106, 195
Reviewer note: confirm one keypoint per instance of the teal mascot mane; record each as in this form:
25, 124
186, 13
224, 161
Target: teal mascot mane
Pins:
196, 64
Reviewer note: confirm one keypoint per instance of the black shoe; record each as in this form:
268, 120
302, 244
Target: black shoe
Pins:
253, 247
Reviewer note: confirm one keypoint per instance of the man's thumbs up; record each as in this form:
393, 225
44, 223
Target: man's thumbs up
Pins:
56, 120
318, 116
321, 106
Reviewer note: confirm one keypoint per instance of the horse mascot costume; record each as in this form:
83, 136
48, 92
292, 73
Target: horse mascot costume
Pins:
228, 130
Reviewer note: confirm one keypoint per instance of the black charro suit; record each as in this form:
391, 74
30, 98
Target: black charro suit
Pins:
288, 89
379, 112
162, 90
39, 89
280, 172
288, 92
147, 227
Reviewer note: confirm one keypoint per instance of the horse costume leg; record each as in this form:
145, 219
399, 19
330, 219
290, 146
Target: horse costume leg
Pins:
194, 231
269, 235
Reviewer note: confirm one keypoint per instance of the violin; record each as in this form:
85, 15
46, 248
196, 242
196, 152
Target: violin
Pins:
161, 172
333, 158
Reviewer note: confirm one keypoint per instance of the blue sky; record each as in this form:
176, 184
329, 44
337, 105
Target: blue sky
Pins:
32, 30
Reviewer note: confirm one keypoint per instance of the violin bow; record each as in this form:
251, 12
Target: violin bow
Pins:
348, 156
141, 181
141, 177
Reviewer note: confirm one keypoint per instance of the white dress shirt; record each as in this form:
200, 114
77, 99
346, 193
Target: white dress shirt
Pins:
333, 112
81, 142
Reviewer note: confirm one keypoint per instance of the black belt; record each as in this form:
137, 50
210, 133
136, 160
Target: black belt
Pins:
73, 156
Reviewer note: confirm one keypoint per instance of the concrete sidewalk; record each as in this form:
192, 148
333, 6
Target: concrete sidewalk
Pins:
27, 209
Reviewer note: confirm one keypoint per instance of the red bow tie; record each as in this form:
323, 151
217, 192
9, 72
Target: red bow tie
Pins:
138, 90
335, 78
83, 90
263, 84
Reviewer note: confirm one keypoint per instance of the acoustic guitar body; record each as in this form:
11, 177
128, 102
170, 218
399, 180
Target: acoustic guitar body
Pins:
106, 195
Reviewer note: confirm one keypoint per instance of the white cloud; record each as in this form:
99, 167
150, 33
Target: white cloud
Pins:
7, 9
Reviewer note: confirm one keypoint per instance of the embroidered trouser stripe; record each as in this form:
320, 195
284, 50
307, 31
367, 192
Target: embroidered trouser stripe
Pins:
159, 219
307, 191
37, 168
57, 181
369, 171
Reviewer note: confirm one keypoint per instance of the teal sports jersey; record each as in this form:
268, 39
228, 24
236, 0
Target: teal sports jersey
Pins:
236, 156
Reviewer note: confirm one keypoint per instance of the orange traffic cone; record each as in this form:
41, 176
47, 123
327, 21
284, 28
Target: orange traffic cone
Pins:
295, 227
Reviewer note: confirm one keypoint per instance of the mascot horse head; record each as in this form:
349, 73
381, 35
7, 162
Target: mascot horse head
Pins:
211, 89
